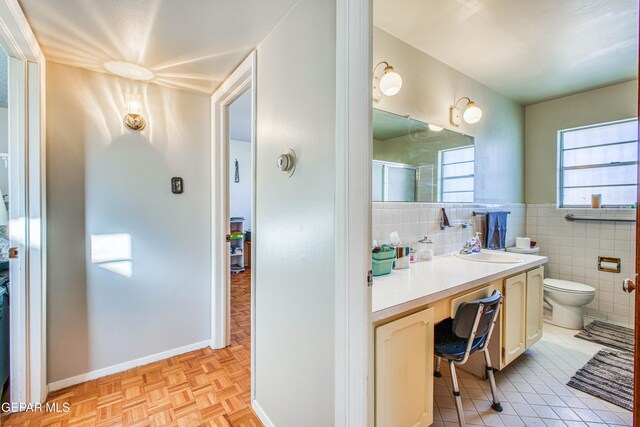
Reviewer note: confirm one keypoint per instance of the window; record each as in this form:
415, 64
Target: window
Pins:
599, 159
457, 174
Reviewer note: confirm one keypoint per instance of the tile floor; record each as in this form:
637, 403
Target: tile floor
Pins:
532, 390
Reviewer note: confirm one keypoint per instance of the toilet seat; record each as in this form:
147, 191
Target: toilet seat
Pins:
567, 286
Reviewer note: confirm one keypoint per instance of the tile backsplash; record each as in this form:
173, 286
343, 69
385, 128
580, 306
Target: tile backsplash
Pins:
416, 220
573, 249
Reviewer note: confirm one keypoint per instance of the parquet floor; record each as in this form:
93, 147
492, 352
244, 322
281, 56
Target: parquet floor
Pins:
201, 388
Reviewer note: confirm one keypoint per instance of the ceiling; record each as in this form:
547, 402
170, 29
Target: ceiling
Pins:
529, 51
191, 44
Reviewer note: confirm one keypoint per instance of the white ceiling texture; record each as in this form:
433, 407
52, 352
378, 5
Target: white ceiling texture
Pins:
188, 44
528, 50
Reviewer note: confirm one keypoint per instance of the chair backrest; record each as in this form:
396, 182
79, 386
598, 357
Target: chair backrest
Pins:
477, 317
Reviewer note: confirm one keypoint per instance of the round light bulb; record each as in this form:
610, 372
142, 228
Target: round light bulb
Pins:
391, 82
472, 114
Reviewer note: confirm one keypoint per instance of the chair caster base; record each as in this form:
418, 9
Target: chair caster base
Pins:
437, 374
496, 407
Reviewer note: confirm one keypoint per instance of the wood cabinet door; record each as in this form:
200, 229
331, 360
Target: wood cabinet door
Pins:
515, 304
535, 292
404, 371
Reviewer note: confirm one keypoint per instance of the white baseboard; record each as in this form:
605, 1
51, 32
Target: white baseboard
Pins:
103, 372
261, 414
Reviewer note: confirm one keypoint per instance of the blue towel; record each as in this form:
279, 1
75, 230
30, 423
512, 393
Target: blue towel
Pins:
496, 230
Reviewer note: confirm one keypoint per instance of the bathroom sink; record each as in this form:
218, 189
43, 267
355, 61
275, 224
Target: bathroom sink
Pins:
493, 257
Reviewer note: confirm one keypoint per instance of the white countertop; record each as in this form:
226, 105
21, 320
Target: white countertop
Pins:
429, 281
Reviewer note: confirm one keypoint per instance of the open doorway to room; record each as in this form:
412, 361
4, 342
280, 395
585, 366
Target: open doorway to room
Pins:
459, 117
240, 190
234, 217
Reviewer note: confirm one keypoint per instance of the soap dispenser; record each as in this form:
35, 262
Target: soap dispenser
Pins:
477, 244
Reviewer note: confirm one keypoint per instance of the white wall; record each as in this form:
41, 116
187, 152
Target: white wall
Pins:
573, 249
430, 87
240, 192
240, 117
544, 120
104, 179
295, 232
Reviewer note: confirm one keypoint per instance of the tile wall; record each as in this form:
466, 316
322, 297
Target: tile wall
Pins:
415, 220
573, 249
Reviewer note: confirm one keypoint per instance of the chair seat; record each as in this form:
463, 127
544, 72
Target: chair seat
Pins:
448, 345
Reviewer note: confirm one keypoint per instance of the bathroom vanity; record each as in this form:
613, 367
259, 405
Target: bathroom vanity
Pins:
408, 303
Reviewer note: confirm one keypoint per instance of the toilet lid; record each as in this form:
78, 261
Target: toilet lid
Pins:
567, 286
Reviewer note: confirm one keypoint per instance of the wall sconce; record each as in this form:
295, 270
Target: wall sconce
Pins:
389, 84
472, 113
133, 112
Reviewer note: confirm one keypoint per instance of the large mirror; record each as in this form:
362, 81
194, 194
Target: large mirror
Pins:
414, 161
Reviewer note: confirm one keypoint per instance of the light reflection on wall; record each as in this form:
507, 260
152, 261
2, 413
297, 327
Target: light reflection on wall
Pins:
113, 252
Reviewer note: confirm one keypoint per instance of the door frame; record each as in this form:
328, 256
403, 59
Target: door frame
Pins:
354, 369
636, 277
241, 80
28, 379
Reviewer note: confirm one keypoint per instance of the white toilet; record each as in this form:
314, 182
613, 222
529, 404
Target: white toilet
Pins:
564, 302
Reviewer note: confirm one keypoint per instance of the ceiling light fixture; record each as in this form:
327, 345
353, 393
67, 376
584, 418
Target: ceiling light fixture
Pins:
472, 113
129, 70
435, 128
389, 84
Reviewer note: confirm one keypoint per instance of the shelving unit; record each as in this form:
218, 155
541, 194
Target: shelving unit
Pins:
237, 245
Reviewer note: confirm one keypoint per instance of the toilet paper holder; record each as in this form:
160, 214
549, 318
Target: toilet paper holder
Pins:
609, 264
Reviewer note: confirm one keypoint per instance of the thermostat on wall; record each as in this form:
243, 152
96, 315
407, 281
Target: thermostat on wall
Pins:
176, 185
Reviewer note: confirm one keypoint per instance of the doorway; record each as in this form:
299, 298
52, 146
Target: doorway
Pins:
24, 200
240, 191
4, 222
232, 195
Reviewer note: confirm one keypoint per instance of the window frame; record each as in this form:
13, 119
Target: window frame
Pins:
561, 168
442, 178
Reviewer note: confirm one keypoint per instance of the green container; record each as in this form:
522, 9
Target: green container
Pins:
382, 267
386, 252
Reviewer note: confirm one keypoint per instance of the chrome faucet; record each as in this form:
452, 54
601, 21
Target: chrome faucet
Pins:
468, 248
